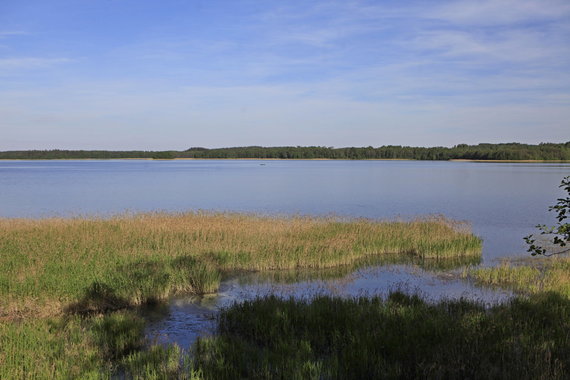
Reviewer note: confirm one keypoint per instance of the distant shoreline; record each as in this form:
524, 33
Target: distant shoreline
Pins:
513, 161
215, 158
283, 159
507, 152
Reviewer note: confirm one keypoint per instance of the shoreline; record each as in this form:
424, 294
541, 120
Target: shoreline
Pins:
210, 159
511, 161
285, 159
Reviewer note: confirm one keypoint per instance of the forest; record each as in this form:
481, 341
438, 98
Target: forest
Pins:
485, 151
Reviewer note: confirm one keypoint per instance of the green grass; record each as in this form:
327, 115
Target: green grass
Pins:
68, 287
400, 338
50, 264
93, 347
531, 276
48, 348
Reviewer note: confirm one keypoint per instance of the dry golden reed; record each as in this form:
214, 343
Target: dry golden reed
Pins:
56, 260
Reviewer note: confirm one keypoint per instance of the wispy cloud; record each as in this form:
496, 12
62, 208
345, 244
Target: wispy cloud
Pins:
14, 63
89, 113
332, 72
31, 62
10, 33
515, 46
501, 12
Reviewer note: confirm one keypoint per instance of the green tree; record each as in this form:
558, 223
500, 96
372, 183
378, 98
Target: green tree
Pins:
167, 155
560, 232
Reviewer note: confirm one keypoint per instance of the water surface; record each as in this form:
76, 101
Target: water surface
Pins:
502, 201
187, 318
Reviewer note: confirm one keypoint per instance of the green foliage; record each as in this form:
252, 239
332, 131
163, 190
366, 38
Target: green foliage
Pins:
73, 154
511, 151
403, 337
560, 232
168, 155
508, 151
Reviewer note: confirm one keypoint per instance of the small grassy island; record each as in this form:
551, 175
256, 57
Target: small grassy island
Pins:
70, 290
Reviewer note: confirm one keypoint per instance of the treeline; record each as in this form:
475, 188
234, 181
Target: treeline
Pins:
512, 151
83, 154
509, 151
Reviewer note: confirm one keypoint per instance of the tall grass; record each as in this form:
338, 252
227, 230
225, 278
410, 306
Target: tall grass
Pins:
95, 347
50, 263
48, 349
400, 338
540, 275
66, 284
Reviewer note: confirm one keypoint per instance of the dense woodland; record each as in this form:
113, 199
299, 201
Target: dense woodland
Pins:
510, 151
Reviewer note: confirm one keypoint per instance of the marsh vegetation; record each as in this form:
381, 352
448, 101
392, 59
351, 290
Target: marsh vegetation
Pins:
69, 287
51, 263
527, 277
402, 337
70, 291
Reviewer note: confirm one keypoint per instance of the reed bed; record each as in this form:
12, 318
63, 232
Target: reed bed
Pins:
68, 286
540, 275
136, 258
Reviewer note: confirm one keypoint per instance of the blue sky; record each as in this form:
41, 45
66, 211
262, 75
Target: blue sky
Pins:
171, 74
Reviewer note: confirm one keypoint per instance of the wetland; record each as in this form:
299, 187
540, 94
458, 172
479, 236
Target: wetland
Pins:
109, 269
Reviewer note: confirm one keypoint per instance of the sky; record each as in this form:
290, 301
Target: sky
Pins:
173, 74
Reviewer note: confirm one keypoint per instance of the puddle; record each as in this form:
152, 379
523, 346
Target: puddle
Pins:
185, 318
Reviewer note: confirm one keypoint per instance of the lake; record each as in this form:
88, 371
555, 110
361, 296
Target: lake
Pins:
502, 201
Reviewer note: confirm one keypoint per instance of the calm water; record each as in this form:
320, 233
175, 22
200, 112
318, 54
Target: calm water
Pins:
502, 201
187, 318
